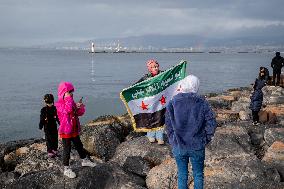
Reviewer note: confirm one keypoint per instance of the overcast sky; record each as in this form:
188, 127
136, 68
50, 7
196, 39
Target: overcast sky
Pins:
30, 22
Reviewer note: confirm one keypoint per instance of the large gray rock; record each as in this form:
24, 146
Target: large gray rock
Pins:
102, 141
230, 163
153, 153
273, 134
163, 175
103, 176
137, 165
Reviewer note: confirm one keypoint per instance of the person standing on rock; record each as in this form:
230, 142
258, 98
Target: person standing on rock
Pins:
190, 125
153, 68
68, 112
277, 63
257, 98
48, 122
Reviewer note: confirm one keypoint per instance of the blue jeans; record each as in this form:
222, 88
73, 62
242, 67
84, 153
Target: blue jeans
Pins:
196, 158
159, 134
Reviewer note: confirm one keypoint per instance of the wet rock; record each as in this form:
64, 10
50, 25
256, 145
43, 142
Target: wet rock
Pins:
137, 165
153, 153
273, 134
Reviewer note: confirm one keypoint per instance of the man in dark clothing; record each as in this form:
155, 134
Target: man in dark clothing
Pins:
277, 63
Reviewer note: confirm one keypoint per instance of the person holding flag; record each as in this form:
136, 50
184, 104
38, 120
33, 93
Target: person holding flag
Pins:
146, 100
153, 70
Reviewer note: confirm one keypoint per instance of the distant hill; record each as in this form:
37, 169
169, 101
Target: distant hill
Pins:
250, 37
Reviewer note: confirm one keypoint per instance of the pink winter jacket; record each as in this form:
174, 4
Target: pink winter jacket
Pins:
68, 112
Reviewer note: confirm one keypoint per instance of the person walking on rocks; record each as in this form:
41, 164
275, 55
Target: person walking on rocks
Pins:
48, 122
257, 98
277, 63
190, 125
153, 68
68, 112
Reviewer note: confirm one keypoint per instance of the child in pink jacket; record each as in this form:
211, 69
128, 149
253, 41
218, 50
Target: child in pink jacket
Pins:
69, 129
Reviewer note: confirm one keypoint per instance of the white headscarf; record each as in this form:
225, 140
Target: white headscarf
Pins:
190, 84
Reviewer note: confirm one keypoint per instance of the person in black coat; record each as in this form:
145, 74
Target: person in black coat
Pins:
263, 72
256, 99
48, 122
277, 63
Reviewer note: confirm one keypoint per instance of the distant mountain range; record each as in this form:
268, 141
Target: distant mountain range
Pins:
175, 41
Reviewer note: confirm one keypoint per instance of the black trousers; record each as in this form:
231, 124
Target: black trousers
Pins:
51, 141
276, 75
67, 149
255, 116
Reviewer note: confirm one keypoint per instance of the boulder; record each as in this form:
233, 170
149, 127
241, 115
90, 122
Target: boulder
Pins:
221, 101
103, 176
137, 165
244, 115
273, 134
153, 153
226, 115
275, 157
102, 141
163, 175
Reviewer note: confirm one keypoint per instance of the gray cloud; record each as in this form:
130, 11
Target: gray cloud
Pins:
28, 22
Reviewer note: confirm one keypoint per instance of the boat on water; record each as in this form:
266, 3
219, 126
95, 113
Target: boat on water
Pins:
118, 49
92, 48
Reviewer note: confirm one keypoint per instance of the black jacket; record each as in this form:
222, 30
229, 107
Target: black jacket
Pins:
146, 76
277, 63
48, 119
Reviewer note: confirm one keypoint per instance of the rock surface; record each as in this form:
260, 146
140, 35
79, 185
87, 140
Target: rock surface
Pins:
241, 155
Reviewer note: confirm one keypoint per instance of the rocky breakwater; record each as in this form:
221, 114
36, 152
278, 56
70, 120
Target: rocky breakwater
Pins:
241, 155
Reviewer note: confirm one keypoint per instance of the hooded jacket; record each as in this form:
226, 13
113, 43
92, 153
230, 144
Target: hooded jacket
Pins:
68, 112
257, 95
190, 122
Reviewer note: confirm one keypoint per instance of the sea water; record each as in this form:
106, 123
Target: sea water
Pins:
27, 74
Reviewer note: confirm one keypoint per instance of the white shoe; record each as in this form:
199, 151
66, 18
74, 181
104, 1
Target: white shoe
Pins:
88, 163
69, 173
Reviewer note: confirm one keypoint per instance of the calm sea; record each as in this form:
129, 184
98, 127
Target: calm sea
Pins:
27, 74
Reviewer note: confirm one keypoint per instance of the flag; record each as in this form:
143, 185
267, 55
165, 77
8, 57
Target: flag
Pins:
146, 101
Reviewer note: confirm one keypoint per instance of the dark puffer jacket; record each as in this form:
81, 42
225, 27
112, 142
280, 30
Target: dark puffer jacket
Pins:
257, 95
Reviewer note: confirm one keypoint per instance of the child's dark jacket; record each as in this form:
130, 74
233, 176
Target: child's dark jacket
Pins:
48, 119
257, 95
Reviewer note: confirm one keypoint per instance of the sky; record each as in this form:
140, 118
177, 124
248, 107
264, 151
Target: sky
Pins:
35, 22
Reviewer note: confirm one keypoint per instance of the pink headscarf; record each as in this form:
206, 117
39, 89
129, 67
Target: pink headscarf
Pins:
150, 62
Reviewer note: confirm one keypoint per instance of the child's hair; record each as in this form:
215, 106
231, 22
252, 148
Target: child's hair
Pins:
48, 98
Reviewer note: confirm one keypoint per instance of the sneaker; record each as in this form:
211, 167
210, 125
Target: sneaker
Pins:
255, 123
161, 142
88, 163
69, 173
151, 139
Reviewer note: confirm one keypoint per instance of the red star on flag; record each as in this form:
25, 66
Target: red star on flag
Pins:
144, 106
163, 100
